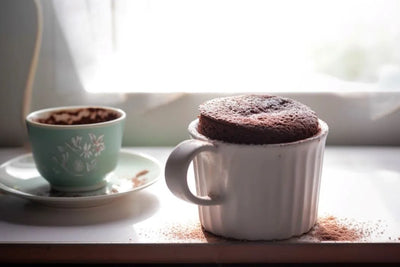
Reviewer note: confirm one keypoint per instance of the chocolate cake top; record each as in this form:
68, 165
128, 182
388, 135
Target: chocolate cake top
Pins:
256, 119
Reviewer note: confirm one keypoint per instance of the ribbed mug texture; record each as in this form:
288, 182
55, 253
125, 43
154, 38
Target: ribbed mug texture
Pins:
268, 191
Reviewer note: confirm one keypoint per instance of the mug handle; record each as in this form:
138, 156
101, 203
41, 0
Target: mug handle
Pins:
176, 171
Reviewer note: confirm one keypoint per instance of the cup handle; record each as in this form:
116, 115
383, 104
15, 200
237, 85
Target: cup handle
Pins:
176, 171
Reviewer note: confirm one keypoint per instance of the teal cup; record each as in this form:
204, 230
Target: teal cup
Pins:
74, 148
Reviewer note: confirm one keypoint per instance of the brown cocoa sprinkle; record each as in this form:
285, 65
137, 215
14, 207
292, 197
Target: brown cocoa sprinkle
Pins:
185, 232
79, 116
330, 228
114, 191
179, 232
141, 173
138, 180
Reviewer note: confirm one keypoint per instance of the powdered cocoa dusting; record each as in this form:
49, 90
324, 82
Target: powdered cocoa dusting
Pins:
256, 119
185, 232
79, 116
141, 173
179, 232
138, 180
327, 228
114, 191
330, 228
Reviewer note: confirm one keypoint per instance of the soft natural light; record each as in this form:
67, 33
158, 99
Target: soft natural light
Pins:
233, 45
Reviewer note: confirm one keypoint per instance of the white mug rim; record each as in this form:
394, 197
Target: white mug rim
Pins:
30, 118
323, 131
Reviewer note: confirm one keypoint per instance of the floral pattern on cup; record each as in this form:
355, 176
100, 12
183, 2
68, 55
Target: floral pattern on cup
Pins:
79, 155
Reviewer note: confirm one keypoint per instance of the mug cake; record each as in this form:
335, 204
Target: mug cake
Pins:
257, 119
257, 163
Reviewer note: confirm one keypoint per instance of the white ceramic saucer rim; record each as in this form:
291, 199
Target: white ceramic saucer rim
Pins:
12, 191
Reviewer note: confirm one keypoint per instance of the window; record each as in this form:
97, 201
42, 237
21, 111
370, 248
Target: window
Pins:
232, 45
158, 60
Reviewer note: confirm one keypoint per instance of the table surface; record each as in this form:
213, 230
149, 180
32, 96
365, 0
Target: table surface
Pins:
360, 188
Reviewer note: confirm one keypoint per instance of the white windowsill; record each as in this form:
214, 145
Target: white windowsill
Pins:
358, 183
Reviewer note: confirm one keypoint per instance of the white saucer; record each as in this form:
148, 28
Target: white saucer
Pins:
134, 172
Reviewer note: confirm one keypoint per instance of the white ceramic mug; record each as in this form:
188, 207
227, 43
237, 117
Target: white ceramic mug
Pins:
251, 192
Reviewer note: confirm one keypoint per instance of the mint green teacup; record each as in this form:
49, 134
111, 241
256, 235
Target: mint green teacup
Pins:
74, 148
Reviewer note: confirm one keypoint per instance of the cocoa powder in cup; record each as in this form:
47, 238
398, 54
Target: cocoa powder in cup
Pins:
79, 116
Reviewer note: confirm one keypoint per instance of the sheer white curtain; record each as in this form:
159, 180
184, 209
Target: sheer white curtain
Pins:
88, 27
158, 60
232, 45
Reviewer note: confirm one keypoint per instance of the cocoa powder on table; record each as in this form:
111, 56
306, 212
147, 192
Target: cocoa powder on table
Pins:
176, 232
328, 228
186, 232
331, 228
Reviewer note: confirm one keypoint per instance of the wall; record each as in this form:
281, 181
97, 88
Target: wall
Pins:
18, 33
354, 117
